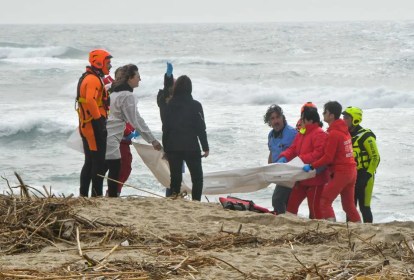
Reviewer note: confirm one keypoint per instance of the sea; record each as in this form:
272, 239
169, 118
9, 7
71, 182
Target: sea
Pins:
237, 70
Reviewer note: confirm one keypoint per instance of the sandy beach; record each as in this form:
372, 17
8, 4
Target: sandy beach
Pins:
158, 238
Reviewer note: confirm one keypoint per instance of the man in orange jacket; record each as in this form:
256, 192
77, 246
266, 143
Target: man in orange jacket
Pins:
93, 106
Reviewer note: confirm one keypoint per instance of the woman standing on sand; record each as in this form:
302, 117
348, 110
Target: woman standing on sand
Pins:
123, 110
182, 128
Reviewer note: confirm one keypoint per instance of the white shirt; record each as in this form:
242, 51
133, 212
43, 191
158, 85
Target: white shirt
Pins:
123, 109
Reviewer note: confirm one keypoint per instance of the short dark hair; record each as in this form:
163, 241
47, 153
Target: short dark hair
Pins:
273, 109
182, 86
311, 114
334, 108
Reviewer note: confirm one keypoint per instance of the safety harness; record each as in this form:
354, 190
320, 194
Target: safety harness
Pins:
103, 102
360, 153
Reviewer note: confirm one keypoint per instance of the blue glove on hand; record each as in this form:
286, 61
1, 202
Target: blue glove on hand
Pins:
129, 136
136, 134
282, 160
307, 167
169, 69
133, 134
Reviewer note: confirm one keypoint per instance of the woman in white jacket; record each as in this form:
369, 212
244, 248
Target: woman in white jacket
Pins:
123, 109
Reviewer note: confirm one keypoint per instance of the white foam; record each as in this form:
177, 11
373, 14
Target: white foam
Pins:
44, 61
29, 52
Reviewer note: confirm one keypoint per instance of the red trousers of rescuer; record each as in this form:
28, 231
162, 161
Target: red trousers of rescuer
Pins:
126, 160
342, 183
313, 195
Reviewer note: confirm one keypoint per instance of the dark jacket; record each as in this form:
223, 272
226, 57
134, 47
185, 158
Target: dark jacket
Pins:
184, 125
162, 96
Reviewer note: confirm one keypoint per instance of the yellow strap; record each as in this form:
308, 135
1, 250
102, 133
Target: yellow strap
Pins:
82, 100
80, 118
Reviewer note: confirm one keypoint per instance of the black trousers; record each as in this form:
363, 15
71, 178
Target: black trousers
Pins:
360, 185
193, 162
114, 167
94, 164
280, 199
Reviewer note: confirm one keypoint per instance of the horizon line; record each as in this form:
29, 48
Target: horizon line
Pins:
210, 22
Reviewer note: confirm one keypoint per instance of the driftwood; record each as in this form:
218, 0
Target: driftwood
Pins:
34, 219
30, 222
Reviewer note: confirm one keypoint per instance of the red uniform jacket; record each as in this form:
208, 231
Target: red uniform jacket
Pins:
309, 147
338, 154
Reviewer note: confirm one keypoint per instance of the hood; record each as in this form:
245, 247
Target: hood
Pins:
311, 126
339, 125
120, 87
179, 99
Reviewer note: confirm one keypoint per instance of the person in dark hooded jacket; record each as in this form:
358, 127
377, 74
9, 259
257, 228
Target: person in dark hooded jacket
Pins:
164, 95
183, 127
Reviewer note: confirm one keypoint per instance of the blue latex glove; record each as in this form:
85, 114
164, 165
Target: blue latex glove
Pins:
282, 160
169, 69
133, 134
136, 134
307, 168
129, 136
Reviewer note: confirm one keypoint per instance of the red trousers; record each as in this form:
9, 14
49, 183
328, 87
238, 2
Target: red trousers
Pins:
342, 183
126, 161
312, 193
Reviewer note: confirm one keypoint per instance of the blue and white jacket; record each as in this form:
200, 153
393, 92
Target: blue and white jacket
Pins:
281, 142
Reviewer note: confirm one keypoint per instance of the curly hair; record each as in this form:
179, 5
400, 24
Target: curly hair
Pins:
273, 109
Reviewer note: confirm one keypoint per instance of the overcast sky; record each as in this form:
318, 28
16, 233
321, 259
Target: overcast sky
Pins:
187, 11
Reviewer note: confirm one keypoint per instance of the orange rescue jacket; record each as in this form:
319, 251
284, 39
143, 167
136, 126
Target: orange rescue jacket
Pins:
92, 97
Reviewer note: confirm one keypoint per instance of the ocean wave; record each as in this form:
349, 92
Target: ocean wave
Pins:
198, 61
58, 119
13, 51
47, 61
256, 94
42, 126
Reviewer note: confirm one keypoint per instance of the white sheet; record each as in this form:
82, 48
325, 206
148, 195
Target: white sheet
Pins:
229, 181
75, 141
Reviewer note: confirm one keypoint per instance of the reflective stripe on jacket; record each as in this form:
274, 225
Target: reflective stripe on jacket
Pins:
365, 149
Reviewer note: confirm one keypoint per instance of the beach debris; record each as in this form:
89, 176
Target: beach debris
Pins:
35, 219
130, 186
237, 232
